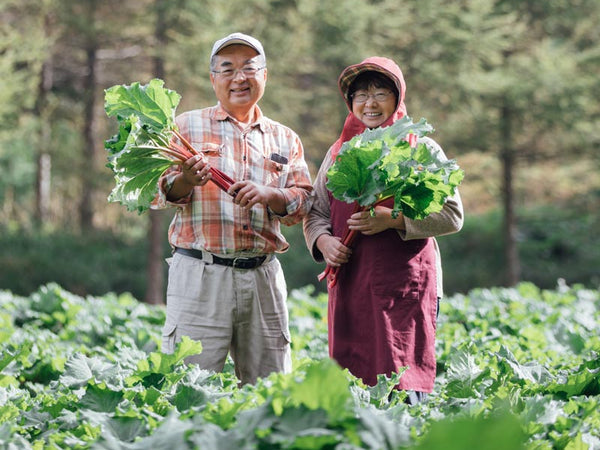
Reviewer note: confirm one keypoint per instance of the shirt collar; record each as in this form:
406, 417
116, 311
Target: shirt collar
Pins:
220, 114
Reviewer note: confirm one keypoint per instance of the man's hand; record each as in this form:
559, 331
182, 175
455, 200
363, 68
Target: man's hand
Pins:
194, 172
247, 194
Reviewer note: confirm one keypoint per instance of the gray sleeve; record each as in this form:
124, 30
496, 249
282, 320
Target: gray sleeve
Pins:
318, 220
449, 220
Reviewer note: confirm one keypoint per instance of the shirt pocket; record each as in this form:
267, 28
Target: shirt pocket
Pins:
215, 156
276, 173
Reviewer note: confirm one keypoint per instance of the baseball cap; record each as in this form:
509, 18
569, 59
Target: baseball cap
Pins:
237, 38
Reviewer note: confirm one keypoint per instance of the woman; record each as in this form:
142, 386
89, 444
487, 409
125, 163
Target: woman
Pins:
382, 310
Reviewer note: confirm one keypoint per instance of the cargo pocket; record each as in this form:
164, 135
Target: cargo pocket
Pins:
168, 338
287, 336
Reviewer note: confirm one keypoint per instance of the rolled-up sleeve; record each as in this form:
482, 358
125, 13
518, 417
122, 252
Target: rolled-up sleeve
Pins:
298, 188
165, 183
318, 220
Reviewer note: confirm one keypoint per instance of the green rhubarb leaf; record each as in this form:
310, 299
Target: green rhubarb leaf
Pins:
140, 152
324, 387
136, 177
152, 104
354, 175
79, 369
585, 380
380, 163
98, 397
158, 366
501, 431
464, 374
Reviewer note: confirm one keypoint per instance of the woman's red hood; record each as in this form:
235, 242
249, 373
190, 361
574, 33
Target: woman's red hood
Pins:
353, 126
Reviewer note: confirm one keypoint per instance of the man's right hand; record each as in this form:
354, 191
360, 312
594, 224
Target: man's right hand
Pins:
194, 172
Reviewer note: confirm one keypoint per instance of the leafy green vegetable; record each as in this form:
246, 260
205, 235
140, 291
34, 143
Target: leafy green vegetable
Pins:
144, 147
509, 377
142, 150
381, 163
152, 104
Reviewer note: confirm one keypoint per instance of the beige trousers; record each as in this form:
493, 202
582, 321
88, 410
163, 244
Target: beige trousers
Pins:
238, 311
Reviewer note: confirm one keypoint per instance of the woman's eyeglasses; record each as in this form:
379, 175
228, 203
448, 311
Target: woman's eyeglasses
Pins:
362, 97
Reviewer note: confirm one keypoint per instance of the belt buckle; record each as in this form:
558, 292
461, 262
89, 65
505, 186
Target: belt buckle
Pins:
243, 262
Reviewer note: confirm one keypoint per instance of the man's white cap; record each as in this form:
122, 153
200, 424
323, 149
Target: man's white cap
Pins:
237, 38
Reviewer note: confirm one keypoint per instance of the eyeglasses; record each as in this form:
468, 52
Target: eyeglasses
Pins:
230, 74
378, 96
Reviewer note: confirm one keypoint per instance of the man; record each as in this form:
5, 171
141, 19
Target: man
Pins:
226, 288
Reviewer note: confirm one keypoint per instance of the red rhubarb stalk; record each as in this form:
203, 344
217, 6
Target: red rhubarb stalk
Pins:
349, 235
221, 179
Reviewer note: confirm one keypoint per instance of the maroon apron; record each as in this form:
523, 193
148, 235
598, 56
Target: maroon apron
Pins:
382, 310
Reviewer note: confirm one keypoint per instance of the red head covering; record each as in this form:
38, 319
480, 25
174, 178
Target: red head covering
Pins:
352, 125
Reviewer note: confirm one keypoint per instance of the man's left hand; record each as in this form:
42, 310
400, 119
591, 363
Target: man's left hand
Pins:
247, 194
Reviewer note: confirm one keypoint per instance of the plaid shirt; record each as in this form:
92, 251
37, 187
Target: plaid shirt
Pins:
265, 152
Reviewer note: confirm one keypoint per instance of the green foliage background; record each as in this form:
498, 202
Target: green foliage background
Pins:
518, 368
99, 262
500, 80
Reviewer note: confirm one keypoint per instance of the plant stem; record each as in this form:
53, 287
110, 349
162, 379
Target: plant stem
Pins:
222, 180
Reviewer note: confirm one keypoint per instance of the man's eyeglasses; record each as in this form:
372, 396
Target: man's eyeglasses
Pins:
361, 97
229, 74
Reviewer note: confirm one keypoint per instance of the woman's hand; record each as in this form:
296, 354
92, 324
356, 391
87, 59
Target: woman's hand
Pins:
381, 220
334, 252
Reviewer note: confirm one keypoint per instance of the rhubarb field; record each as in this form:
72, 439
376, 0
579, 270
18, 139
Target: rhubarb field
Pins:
517, 368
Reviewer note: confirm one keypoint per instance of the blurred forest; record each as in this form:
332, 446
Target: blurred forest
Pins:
511, 87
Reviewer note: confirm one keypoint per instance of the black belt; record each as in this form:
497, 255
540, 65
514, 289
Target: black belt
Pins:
237, 262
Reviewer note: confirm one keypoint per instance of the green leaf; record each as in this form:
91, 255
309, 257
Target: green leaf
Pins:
464, 374
498, 432
377, 431
152, 104
583, 381
380, 163
187, 397
324, 387
136, 177
153, 369
355, 177
522, 373
79, 369
140, 152
380, 393
303, 427
170, 434
222, 412
98, 397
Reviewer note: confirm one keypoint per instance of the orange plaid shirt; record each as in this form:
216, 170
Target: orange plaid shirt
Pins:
265, 152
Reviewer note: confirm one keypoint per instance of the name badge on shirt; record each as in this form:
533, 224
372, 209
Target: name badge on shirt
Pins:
279, 158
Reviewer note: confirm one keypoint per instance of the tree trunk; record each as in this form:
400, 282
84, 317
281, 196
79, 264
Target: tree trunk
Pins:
511, 251
86, 211
44, 160
156, 233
